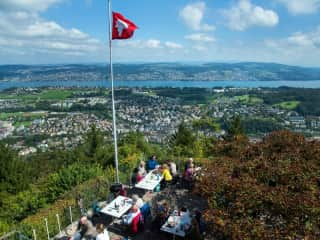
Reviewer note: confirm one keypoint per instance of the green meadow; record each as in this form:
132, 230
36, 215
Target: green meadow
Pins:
289, 105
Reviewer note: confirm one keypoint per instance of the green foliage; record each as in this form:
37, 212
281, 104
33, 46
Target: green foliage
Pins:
309, 99
182, 142
205, 125
4, 228
289, 105
91, 191
268, 190
134, 142
62, 181
260, 125
235, 127
49, 162
14, 173
16, 207
95, 149
247, 99
132, 149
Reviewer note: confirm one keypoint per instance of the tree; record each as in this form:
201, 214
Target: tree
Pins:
95, 149
235, 127
183, 140
14, 172
205, 125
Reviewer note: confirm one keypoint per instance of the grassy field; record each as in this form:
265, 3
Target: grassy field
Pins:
24, 123
5, 116
52, 94
55, 94
290, 105
248, 99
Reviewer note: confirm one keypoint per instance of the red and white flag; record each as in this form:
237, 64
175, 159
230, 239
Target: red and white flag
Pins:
122, 28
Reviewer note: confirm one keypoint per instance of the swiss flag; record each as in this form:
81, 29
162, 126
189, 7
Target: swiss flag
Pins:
122, 28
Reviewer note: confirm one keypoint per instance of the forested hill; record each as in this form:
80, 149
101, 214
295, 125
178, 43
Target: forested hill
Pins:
160, 71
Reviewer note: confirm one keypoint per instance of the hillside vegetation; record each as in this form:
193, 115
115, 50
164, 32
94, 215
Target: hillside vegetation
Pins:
264, 190
268, 190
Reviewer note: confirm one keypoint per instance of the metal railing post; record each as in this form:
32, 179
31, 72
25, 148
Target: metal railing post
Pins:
34, 234
47, 228
70, 211
58, 221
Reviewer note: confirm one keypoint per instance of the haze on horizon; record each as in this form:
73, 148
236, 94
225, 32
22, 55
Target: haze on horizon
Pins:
70, 31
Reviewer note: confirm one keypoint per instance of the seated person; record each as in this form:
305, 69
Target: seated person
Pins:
85, 229
137, 201
128, 218
102, 232
188, 163
173, 168
167, 177
139, 177
161, 216
142, 168
152, 163
134, 175
185, 217
121, 192
189, 173
173, 171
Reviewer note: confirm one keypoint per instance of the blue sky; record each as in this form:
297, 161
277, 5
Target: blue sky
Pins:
75, 31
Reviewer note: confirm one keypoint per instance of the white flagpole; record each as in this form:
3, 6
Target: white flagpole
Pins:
112, 91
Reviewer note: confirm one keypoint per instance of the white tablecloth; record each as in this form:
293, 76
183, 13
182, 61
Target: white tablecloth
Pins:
123, 203
149, 182
177, 228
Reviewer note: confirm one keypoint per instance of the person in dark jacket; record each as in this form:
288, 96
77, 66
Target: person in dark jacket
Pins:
85, 229
152, 163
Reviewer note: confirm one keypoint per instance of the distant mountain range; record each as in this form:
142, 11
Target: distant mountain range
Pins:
160, 71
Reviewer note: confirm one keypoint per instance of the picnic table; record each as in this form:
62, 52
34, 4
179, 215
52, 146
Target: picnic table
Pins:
177, 225
118, 206
150, 181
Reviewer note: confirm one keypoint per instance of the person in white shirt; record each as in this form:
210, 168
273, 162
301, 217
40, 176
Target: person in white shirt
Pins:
137, 201
102, 232
142, 168
173, 168
127, 219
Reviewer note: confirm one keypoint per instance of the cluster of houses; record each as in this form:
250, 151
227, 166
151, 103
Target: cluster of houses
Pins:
157, 117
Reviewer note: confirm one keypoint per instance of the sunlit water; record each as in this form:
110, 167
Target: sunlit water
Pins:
161, 84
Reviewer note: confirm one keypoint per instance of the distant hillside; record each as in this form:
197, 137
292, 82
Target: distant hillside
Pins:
161, 71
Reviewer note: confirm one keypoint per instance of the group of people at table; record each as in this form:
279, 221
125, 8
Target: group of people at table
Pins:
168, 171
164, 217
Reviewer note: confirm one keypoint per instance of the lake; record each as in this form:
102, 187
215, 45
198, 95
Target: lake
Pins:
160, 84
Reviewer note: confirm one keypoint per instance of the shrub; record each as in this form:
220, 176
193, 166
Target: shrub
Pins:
270, 190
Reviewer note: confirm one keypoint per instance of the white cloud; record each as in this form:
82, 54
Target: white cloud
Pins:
27, 5
245, 15
153, 43
300, 39
200, 37
300, 47
311, 39
173, 45
30, 33
193, 14
24, 32
296, 7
